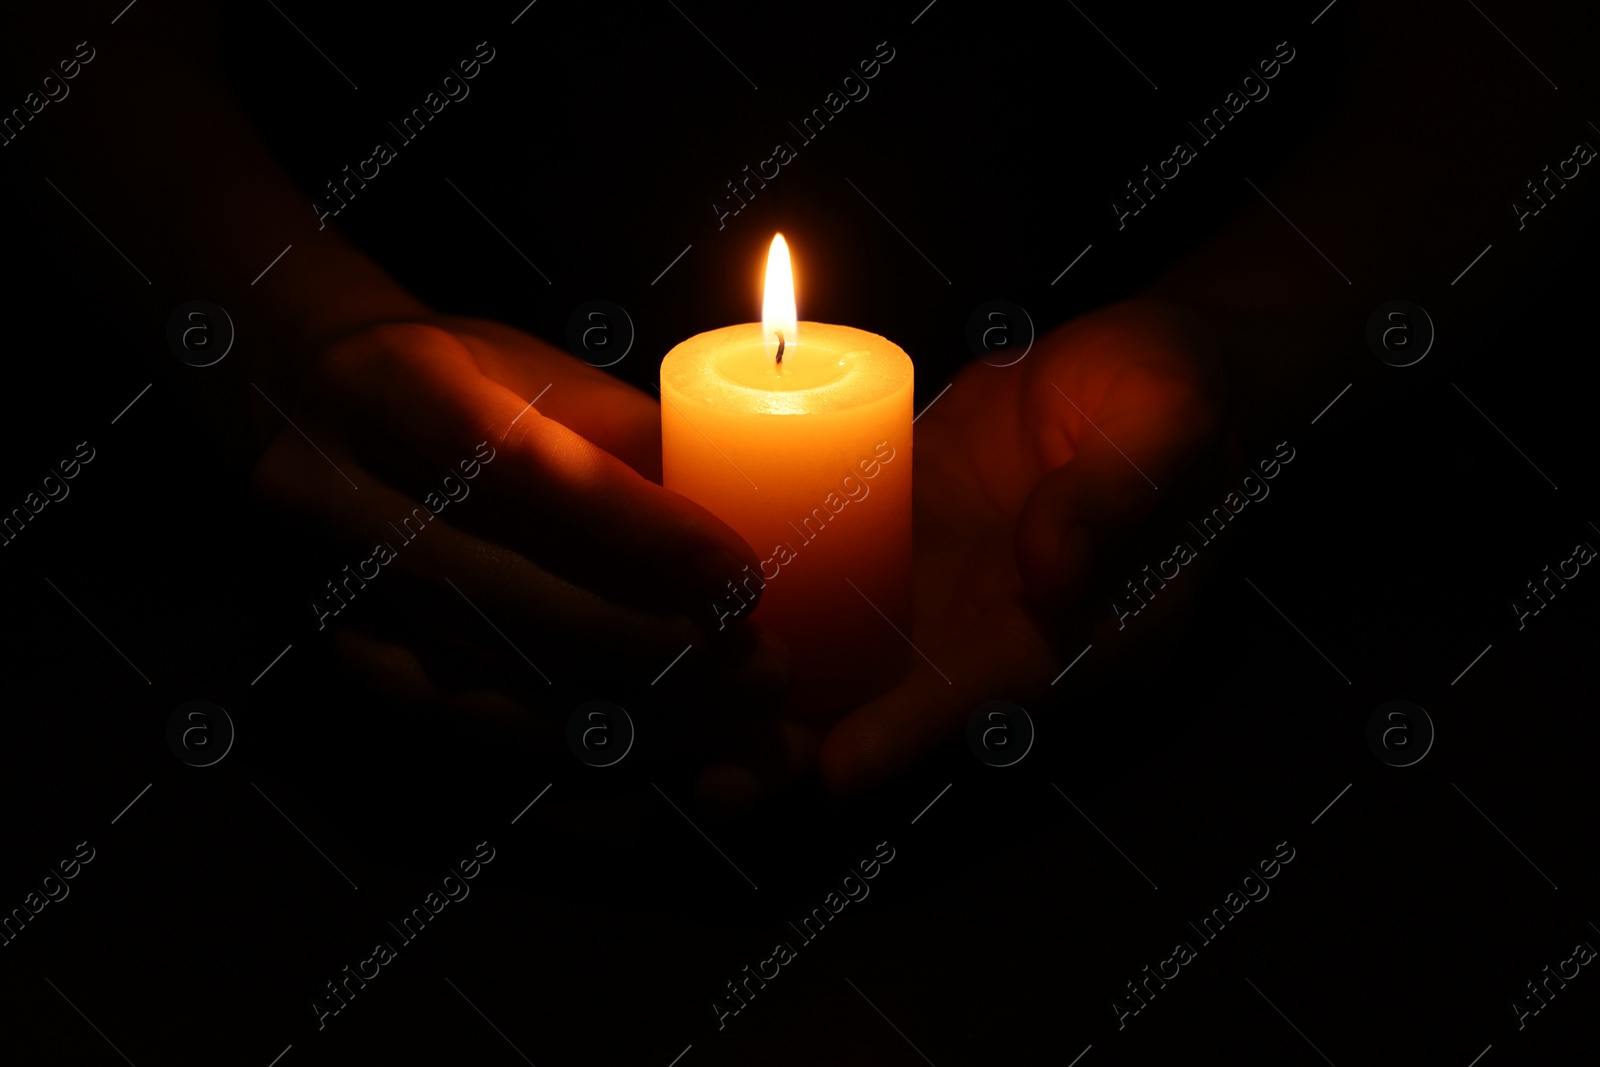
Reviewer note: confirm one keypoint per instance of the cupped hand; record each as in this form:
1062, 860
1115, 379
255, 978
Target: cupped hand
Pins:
546, 540
1023, 474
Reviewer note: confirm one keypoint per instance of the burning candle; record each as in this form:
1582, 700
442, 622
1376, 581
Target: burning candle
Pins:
798, 435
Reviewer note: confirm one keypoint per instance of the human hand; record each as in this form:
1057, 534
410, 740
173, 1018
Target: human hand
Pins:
1024, 474
568, 546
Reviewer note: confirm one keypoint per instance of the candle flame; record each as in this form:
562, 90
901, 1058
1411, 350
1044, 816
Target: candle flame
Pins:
779, 327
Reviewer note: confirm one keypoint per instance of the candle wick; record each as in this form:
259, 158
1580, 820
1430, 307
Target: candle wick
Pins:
780, 346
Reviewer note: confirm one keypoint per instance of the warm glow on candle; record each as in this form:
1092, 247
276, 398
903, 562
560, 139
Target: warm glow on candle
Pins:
783, 451
777, 303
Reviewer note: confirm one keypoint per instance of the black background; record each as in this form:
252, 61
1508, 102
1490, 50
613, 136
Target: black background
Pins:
1008, 922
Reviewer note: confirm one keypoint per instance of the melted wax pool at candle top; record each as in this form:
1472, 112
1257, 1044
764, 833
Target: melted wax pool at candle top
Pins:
792, 388
830, 369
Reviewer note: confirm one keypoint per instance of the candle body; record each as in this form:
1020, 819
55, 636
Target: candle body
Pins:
810, 462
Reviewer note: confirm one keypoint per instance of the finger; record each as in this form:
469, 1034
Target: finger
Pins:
1004, 657
393, 671
422, 384
388, 669
396, 672
875, 742
1127, 438
470, 586
419, 680
608, 412
763, 758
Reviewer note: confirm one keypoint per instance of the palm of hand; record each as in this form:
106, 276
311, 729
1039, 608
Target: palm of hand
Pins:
1020, 472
